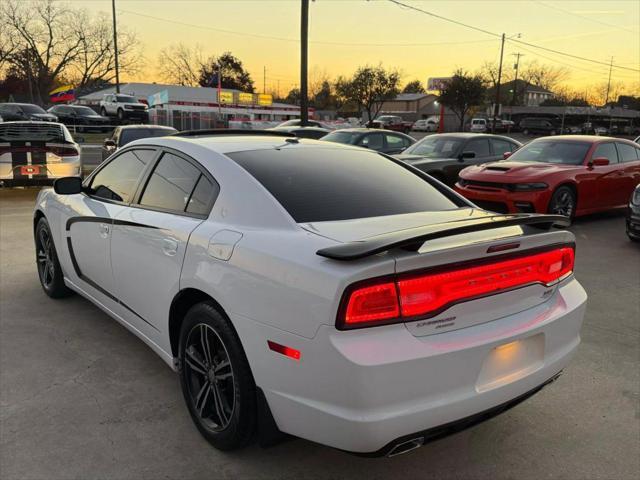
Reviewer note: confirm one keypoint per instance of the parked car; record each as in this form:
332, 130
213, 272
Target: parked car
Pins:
633, 215
425, 125
80, 117
637, 140
391, 122
376, 139
36, 153
251, 265
304, 132
478, 125
25, 111
443, 155
128, 133
296, 122
124, 107
539, 125
571, 175
600, 130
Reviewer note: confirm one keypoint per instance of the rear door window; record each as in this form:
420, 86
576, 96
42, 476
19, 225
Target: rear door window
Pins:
319, 184
627, 152
480, 146
501, 147
374, 141
171, 184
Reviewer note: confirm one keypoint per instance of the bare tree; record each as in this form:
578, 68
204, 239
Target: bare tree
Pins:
95, 61
545, 76
181, 65
489, 74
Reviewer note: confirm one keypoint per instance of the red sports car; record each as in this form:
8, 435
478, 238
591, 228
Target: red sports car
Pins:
568, 175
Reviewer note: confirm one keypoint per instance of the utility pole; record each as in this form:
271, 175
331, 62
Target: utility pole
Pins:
609, 83
264, 79
304, 43
515, 82
115, 45
496, 107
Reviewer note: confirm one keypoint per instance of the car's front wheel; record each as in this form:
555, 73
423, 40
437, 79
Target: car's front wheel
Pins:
563, 202
120, 114
49, 269
103, 112
216, 380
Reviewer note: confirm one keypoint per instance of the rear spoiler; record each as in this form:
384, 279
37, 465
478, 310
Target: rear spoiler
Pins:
413, 238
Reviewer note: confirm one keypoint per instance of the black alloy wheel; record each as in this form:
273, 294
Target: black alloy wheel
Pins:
563, 202
49, 269
216, 380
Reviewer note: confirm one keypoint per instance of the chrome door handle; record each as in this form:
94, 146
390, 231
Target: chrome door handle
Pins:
170, 246
103, 229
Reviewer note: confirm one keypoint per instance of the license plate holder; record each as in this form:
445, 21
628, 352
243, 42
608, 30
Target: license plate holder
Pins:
30, 170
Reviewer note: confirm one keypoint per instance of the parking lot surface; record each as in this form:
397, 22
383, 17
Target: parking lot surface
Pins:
81, 397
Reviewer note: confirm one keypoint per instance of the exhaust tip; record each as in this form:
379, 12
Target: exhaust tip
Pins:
406, 447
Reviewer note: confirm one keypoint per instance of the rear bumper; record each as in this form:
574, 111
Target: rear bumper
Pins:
8, 178
365, 390
507, 202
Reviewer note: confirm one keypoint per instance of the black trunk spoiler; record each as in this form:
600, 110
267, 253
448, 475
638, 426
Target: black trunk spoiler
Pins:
413, 238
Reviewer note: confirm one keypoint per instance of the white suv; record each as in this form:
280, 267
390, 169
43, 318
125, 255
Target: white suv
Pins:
124, 107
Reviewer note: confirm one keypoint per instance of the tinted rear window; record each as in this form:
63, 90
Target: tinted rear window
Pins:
129, 135
316, 185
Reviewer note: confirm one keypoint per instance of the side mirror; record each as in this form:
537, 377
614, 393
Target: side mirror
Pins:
506, 155
464, 155
599, 162
109, 143
67, 185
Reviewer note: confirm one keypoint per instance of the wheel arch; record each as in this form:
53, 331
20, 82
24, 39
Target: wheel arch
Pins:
37, 215
180, 305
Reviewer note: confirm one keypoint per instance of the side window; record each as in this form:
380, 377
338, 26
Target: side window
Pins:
203, 196
171, 184
117, 180
628, 153
480, 146
501, 147
394, 142
374, 141
606, 150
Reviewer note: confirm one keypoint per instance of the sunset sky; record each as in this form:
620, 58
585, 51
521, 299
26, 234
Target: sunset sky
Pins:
345, 34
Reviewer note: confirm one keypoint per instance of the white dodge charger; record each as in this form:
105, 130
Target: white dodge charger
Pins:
316, 289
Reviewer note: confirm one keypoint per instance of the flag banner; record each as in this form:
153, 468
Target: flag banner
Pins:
62, 94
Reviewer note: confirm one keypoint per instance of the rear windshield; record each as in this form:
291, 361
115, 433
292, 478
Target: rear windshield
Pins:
83, 111
137, 133
436, 146
316, 185
28, 108
568, 153
342, 137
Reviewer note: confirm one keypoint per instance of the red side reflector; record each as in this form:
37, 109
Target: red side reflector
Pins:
284, 350
421, 295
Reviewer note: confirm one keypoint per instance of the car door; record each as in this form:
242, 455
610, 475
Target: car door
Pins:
630, 162
150, 237
609, 179
482, 151
90, 217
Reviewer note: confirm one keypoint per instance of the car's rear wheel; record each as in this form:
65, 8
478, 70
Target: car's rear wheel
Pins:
216, 380
563, 202
49, 269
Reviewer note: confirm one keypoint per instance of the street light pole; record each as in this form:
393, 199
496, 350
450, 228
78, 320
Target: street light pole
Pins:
496, 107
115, 45
608, 83
515, 81
304, 44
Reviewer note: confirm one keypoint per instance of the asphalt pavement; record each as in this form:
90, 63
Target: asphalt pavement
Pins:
82, 398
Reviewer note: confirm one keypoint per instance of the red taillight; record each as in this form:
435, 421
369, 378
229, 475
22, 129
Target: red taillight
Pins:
421, 295
64, 151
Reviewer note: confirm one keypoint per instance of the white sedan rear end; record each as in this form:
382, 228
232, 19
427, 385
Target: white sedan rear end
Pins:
320, 290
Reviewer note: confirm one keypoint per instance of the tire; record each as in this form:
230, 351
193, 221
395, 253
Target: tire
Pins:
218, 388
49, 269
120, 114
103, 112
563, 202
525, 132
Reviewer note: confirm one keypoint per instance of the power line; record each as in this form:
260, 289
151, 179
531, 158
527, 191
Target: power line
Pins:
472, 27
296, 40
569, 12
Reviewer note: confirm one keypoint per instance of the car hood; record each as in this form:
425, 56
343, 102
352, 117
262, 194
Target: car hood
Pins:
44, 116
507, 169
362, 228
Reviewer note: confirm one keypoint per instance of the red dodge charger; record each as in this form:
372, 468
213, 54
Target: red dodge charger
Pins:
568, 175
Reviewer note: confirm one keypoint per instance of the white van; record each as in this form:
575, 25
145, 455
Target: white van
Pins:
478, 125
